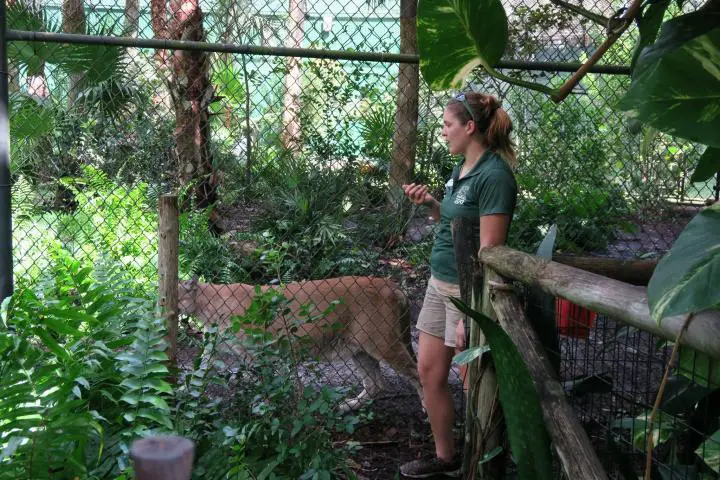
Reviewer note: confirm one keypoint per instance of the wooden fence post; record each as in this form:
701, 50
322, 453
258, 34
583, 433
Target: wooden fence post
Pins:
162, 458
483, 416
168, 246
571, 442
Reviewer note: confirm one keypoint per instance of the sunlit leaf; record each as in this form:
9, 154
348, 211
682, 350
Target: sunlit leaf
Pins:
467, 356
456, 36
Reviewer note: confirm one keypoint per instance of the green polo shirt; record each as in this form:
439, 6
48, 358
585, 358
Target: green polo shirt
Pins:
489, 188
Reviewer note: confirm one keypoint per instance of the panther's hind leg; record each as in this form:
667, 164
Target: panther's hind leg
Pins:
369, 370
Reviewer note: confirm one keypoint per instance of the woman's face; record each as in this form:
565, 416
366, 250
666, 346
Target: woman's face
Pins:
457, 134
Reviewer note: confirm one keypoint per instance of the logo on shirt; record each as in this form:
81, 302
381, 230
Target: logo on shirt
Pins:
462, 195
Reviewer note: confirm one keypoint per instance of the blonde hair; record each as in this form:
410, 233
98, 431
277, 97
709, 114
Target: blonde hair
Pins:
491, 121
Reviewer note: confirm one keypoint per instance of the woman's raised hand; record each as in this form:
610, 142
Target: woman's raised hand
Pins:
418, 194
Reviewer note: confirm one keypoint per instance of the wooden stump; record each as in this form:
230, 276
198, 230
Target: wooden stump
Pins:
162, 458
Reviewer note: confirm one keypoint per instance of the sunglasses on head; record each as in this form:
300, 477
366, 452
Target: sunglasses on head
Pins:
461, 98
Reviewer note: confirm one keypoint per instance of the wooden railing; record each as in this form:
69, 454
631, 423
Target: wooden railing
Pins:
489, 271
621, 301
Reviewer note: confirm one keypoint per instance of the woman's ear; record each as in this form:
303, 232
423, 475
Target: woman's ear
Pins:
470, 127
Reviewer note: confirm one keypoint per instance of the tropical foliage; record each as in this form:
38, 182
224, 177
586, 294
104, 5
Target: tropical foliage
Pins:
84, 373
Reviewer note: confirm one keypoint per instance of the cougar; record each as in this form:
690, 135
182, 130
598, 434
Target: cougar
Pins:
370, 323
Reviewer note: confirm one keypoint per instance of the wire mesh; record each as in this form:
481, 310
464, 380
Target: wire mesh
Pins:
283, 166
611, 373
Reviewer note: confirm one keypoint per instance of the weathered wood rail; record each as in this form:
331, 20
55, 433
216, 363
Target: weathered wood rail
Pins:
619, 300
622, 301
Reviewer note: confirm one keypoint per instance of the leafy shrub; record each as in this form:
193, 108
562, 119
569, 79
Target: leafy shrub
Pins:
588, 219
82, 368
565, 174
207, 255
282, 425
82, 371
310, 220
111, 221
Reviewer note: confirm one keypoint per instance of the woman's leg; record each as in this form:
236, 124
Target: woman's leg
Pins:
434, 359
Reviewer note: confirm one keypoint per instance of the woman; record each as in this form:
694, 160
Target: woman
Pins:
482, 186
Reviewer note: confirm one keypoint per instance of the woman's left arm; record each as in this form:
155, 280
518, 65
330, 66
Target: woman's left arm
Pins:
493, 231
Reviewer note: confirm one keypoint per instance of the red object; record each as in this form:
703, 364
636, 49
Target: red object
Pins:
572, 320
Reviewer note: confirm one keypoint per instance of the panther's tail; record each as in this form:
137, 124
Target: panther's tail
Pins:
405, 321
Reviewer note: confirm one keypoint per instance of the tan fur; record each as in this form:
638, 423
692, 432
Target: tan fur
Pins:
371, 322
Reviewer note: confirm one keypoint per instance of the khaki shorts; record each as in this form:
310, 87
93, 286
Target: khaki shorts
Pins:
439, 316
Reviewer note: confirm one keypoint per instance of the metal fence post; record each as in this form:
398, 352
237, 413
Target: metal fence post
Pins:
6, 267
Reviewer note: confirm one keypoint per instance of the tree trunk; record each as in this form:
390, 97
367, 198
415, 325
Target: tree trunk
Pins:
73, 14
159, 19
192, 93
406, 114
132, 18
293, 78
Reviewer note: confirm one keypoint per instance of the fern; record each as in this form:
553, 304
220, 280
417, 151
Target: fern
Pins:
23, 198
65, 386
145, 390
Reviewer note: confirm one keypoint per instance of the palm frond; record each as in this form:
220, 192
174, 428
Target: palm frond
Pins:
29, 117
97, 63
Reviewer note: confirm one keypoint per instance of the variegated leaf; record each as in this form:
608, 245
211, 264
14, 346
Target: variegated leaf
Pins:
676, 82
709, 451
687, 278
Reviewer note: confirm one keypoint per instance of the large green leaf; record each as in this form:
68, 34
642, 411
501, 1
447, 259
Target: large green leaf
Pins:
529, 439
676, 81
700, 368
682, 392
662, 428
687, 278
708, 165
649, 22
455, 36
709, 451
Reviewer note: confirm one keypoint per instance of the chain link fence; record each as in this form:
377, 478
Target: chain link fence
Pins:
284, 166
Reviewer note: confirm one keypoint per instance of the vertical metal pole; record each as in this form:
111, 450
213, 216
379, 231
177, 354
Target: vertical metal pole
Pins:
6, 271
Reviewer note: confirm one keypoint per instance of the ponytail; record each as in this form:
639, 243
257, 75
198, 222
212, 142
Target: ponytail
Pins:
491, 121
497, 136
